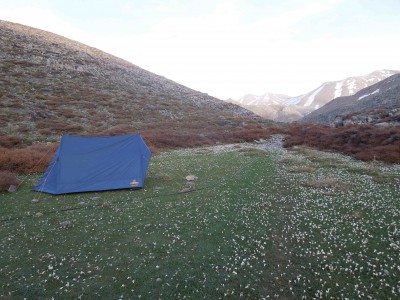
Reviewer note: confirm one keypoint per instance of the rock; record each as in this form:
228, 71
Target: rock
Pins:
39, 214
82, 203
383, 125
107, 204
347, 122
190, 185
191, 177
158, 280
35, 201
12, 188
65, 224
338, 121
186, 190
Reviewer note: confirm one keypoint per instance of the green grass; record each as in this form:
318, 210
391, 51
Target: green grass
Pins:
251, 229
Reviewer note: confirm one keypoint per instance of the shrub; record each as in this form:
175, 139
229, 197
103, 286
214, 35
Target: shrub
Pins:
32, 159
6, 180
364, 142
8, 141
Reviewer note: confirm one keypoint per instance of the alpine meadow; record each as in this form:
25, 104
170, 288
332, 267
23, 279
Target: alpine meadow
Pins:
118, 183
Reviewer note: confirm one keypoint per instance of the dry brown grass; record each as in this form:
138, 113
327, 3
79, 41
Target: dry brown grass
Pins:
6, 180
364, 142
302, 169
8, 141
328, 183
292, 160
27, 160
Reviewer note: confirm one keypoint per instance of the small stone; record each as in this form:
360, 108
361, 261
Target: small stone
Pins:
190, 185
191, 177
35, 201
383, 125
107, 204
12, 188
39, 214
65, 224
158, 280
82, 203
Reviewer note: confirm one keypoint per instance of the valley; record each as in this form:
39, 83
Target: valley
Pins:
306, 209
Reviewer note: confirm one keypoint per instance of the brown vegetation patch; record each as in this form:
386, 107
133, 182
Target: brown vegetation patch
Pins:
6, 180
27, 160
36, 158
328, 183
364, 142
292, 160
252, 152
302, 169
7, 141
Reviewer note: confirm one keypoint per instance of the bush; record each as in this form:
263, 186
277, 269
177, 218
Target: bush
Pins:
6, 180
364, 142
8, 141
168, 139
32, 159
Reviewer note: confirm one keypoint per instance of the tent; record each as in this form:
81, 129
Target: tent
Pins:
96, 163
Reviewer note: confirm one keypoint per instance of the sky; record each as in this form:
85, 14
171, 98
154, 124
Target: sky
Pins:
234, 47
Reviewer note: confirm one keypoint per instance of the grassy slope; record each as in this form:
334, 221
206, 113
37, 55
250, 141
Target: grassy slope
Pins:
259, 224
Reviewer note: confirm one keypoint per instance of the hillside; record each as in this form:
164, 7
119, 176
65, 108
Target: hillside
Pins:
287, 109
50, 85
375, 104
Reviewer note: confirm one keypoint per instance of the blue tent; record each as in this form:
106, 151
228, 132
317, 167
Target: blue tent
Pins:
96, 163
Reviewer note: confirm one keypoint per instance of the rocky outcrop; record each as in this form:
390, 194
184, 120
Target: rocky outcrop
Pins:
378, 117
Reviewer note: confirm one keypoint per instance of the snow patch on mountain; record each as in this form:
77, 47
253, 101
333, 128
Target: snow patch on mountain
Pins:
374, 92
264, 99
293, 101
311, 98
338, 89
352, 85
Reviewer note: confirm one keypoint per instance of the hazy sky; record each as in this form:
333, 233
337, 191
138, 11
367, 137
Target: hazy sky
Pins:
230, 48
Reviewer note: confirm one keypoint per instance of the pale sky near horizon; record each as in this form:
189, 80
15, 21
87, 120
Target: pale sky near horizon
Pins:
233, 47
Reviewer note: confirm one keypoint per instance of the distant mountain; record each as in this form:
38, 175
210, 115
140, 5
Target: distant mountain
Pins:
265, 99
376, 104
269, 106
51, 85
287, 109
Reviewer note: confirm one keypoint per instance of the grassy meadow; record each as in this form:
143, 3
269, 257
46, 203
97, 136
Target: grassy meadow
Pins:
259, 223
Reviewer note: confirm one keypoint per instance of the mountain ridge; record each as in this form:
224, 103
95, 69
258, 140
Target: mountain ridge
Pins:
276, 108
383, 96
